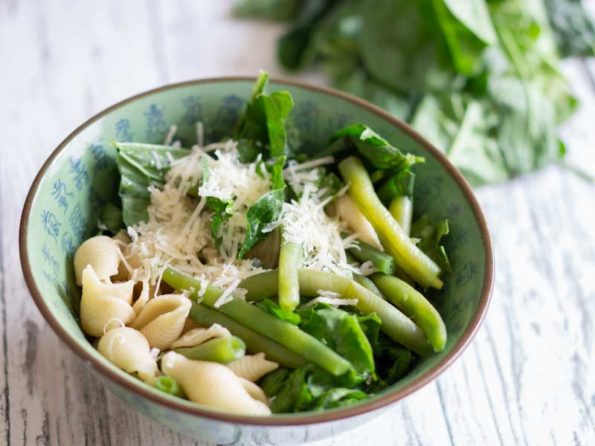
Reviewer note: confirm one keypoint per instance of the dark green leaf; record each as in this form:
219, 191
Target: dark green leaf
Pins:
398, 185
374, 148
294, 43
573, 27
222, 210
464, 129
307, 388
111, 217
260, 215
263, 121
342, 332
393, 362
430, 240
268, 9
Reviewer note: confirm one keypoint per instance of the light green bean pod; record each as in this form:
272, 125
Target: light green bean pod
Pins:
396, 242
416, 306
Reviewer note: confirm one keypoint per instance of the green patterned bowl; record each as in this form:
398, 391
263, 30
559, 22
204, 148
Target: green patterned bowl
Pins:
62, 210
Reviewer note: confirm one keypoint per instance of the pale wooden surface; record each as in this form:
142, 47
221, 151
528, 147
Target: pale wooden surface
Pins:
529, 375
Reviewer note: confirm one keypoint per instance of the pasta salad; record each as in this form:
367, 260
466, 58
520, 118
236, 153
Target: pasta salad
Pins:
249, 277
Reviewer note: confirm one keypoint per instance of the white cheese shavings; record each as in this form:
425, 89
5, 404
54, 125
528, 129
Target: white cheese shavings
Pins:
178, 230
305, 222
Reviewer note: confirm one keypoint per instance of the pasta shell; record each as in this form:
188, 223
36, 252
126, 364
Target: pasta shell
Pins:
129, 350
197, 336
162, 319
104, 302
252, 367
102, 253
353, 217
215, 385
143, 297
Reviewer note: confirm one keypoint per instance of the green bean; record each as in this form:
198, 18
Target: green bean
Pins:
401, 208
256, 319
367, 284
170, 386
394, 323
416, 306
415, 263
221, 350
290, 259
256, 343
381, 260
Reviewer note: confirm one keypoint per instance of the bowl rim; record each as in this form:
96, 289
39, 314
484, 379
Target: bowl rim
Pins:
307, 418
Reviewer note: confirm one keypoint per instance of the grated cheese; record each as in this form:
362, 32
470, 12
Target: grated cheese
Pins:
305, 222
178, 231
178, 228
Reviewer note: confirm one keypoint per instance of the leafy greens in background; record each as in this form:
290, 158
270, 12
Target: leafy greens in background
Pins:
480, 78
574, 31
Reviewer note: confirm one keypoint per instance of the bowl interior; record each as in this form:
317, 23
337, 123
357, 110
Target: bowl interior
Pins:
81, 176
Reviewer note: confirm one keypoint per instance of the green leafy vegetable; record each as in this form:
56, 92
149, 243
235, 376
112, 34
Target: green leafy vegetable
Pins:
393, 362
307, 388
480, 79
111, 217
263, 121
374, 148
430, 239
573, 27
267, 209
140, 166
342, 332
271, 9
285, 315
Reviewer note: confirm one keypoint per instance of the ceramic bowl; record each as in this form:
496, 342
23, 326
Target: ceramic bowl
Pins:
62, 208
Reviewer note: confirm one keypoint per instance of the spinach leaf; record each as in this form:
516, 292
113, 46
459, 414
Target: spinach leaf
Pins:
269, 9
222, 211
111, 217
472, 76
393, 362
430, 239
307, 388
463, 128
467, 29
573, 27
342, 332
140, 166
373, 147
293, 44
285, 315
267, 210
400, 184
263, 122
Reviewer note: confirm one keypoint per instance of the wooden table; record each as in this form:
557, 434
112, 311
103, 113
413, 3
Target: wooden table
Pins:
527, 378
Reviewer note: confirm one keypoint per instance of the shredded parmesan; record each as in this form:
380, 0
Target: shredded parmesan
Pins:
305, 222
178, 231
